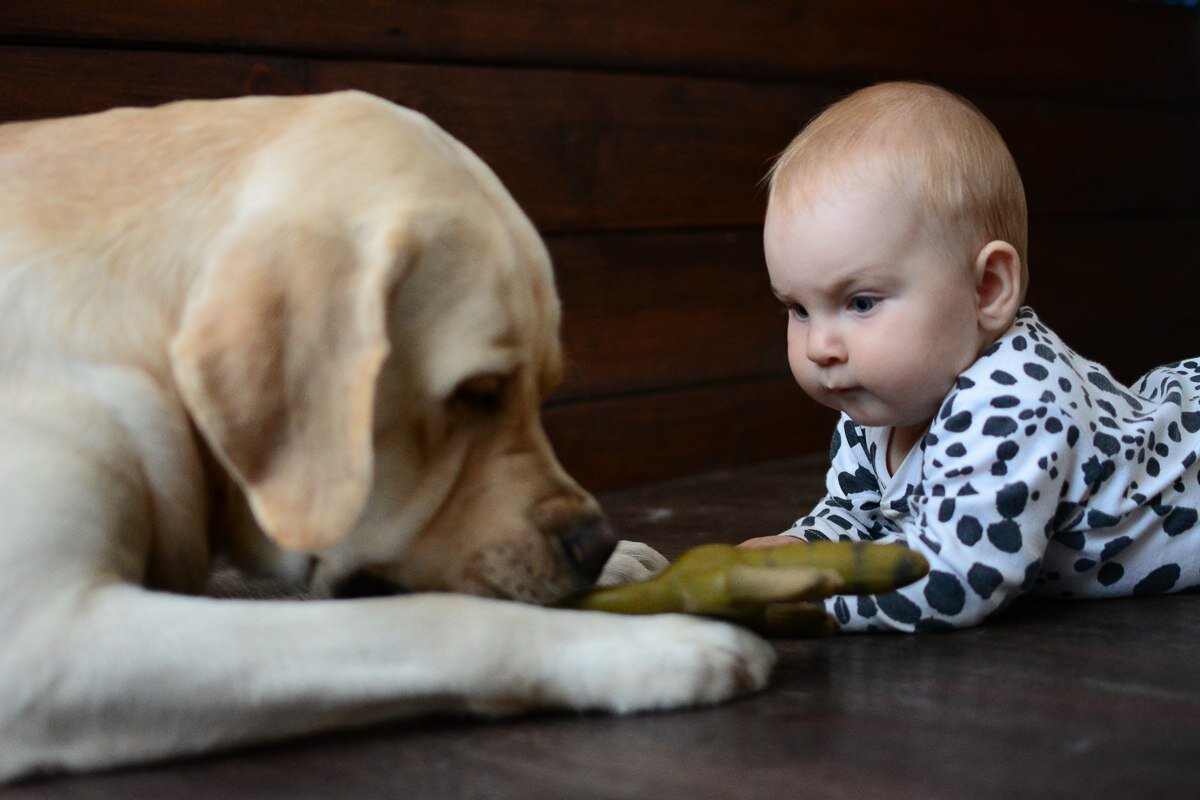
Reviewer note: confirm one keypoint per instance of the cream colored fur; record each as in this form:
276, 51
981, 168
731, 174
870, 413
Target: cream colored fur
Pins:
311, 334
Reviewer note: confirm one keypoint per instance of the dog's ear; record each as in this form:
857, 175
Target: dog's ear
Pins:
276, 360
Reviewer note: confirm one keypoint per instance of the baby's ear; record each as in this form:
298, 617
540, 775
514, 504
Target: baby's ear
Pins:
997, 286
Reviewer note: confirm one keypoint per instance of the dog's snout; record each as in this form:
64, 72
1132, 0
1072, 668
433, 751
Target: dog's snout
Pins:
588, 545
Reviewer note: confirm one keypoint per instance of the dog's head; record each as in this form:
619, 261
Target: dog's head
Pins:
369, 365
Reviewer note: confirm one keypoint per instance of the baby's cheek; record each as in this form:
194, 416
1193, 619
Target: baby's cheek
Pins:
920, 390
800, 365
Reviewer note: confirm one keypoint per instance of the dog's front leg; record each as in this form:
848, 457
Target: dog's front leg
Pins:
131, 675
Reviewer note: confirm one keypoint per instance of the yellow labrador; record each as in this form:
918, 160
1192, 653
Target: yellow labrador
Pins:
312, 334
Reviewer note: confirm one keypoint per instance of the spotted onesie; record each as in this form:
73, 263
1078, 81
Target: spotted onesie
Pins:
1040, 473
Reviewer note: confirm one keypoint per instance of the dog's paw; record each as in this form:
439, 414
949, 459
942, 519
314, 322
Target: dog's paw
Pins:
632, 664
632, 562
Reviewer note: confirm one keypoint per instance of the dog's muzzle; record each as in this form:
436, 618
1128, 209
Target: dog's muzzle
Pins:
588, 545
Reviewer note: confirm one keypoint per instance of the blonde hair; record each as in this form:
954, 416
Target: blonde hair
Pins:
932, 141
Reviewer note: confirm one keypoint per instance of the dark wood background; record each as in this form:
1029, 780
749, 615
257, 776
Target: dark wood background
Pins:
635, 132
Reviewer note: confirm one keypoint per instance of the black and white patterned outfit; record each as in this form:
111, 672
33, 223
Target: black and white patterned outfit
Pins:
1040, 473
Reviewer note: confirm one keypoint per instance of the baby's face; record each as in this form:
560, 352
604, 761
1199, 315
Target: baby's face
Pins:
881, 310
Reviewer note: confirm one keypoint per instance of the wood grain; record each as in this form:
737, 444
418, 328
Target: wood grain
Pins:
1119, 291
657, 309
587, 151
1107, 48
623, 441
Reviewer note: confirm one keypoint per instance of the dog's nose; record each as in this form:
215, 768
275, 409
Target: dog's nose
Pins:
588, 544
361, 583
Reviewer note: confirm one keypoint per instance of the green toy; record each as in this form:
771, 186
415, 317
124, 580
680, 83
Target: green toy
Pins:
765, 589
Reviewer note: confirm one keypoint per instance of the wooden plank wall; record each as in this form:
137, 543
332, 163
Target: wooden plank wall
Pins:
635, 132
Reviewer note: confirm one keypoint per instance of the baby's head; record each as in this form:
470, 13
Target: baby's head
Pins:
896, 235
937, 148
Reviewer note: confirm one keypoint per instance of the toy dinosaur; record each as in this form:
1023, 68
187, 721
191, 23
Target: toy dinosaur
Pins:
768, 590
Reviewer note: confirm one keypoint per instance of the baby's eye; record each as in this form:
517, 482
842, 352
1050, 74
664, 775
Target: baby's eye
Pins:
798, 312
861, 305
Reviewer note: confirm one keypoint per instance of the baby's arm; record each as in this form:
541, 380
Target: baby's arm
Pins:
987, 506
850, 508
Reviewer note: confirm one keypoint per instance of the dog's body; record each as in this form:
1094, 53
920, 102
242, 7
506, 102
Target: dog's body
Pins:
312, 334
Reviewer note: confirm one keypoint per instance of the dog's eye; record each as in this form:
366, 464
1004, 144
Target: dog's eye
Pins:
482, 393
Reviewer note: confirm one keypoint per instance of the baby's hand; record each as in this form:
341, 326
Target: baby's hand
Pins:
768, 541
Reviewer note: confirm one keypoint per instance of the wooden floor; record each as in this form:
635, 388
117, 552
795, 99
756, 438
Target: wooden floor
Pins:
1085, 699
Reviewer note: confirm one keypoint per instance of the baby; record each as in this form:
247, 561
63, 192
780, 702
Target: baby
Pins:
895, 237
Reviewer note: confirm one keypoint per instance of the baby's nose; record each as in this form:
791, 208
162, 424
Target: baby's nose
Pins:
824, 346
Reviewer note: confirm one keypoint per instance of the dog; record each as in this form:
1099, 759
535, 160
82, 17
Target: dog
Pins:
311, 336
